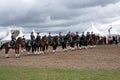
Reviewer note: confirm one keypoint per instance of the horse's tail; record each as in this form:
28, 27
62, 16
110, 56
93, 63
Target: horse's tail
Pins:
1, 47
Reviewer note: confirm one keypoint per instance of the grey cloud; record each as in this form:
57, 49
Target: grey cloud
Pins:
58, 13
88, 3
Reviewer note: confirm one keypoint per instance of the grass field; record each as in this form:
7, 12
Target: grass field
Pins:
32, 73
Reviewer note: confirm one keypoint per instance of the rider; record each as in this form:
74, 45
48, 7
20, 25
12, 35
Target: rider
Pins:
82, 39
68, 36
60, 38
77, 39
32, 42
32, 38
13, 39
38, 38
62, 41
88, 36
49, 39
23, 39
92, 35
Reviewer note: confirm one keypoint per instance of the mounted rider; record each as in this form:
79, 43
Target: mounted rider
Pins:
38, 39
92, 36
77, 39
88, 36
32, 38
68, 36
82, 39
13, 39
62, 41
49, 38
23, 39
60, 38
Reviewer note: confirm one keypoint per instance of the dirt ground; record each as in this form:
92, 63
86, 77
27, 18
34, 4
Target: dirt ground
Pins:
101, 57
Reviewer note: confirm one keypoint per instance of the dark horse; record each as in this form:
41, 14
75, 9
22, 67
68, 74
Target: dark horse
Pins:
54, 43
62, 41
28, 46
15, 46
72, 42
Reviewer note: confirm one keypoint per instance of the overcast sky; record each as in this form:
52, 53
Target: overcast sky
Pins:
60, 15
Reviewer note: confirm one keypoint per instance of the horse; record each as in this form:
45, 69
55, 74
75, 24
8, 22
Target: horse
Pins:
37, 45
28, 46
54, 43
83, 42
16, 46
31, 45
23, 46
62, 41
43, 44
93, 41
72, 42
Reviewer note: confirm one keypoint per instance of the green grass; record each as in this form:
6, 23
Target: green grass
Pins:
31, 73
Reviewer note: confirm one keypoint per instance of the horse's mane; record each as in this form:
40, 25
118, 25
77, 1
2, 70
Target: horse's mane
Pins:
18, 39
44, 38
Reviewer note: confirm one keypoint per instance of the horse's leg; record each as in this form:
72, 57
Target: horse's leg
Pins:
53, 48
94, 44
43, 49
91, 43
17, 52
86, 44
38, 50
32, 49
72, 45
64, 47
6, 53
35, 49
28, 49
77, 44
46, 47
80, 44
22, 48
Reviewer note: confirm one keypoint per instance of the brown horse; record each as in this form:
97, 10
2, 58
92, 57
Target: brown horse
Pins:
54, 43
43, 44
92, 42
16, 47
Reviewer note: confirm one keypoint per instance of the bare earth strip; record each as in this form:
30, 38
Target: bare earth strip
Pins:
101, 57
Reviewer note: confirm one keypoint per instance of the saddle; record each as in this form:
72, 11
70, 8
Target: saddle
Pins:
11, 44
